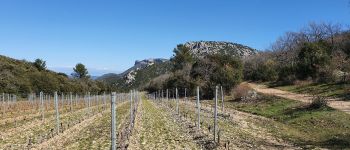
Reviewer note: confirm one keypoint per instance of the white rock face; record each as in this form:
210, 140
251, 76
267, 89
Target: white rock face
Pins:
130, 77
204, 48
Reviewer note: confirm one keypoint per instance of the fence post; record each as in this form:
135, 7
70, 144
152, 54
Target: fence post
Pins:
104, 100
113, 125
76, 100
215, 113
71, 101
185, 94
131, 108
3, 103
89, 103
57, 113
167, 96
62, 101
42, 106
198, 110
162, 96
177, 101
222, 99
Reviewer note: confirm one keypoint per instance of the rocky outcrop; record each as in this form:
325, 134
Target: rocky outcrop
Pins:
204, 48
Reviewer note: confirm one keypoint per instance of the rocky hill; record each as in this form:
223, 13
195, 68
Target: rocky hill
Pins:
145, 70
139, 74
202, 48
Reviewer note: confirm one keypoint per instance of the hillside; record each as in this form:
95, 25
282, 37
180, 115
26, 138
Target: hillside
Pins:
22, 77
138, 75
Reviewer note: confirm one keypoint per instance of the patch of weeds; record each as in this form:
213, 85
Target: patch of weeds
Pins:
313, 124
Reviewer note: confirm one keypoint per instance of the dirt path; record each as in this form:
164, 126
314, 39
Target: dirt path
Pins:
334, 103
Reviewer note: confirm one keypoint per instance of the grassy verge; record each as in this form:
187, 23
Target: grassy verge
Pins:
160, 131
324, 127
329, 90
235, 130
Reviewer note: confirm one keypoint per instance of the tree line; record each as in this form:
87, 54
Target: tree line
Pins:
319, 53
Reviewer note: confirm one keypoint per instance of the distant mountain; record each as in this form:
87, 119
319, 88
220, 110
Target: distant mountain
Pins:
142, 64
94, 77
202, 48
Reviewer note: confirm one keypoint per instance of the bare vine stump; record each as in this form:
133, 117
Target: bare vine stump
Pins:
30, 142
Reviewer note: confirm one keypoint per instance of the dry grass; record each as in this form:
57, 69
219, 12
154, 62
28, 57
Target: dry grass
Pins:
241, 91
157, 130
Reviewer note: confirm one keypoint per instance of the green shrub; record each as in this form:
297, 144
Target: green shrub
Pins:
312, 58
261, 70
318, 102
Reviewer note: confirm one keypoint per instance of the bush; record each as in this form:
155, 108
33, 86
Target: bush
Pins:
214, 70
318, 102
312, 58
326, 75
260, 70
347, 92
243, 92
287, 75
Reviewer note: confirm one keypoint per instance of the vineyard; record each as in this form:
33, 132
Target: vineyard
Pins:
137, 120
65, 121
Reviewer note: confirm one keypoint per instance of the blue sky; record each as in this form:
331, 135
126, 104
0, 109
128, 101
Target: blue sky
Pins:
108, 36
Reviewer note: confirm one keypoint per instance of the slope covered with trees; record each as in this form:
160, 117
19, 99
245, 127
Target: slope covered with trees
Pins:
23, 77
